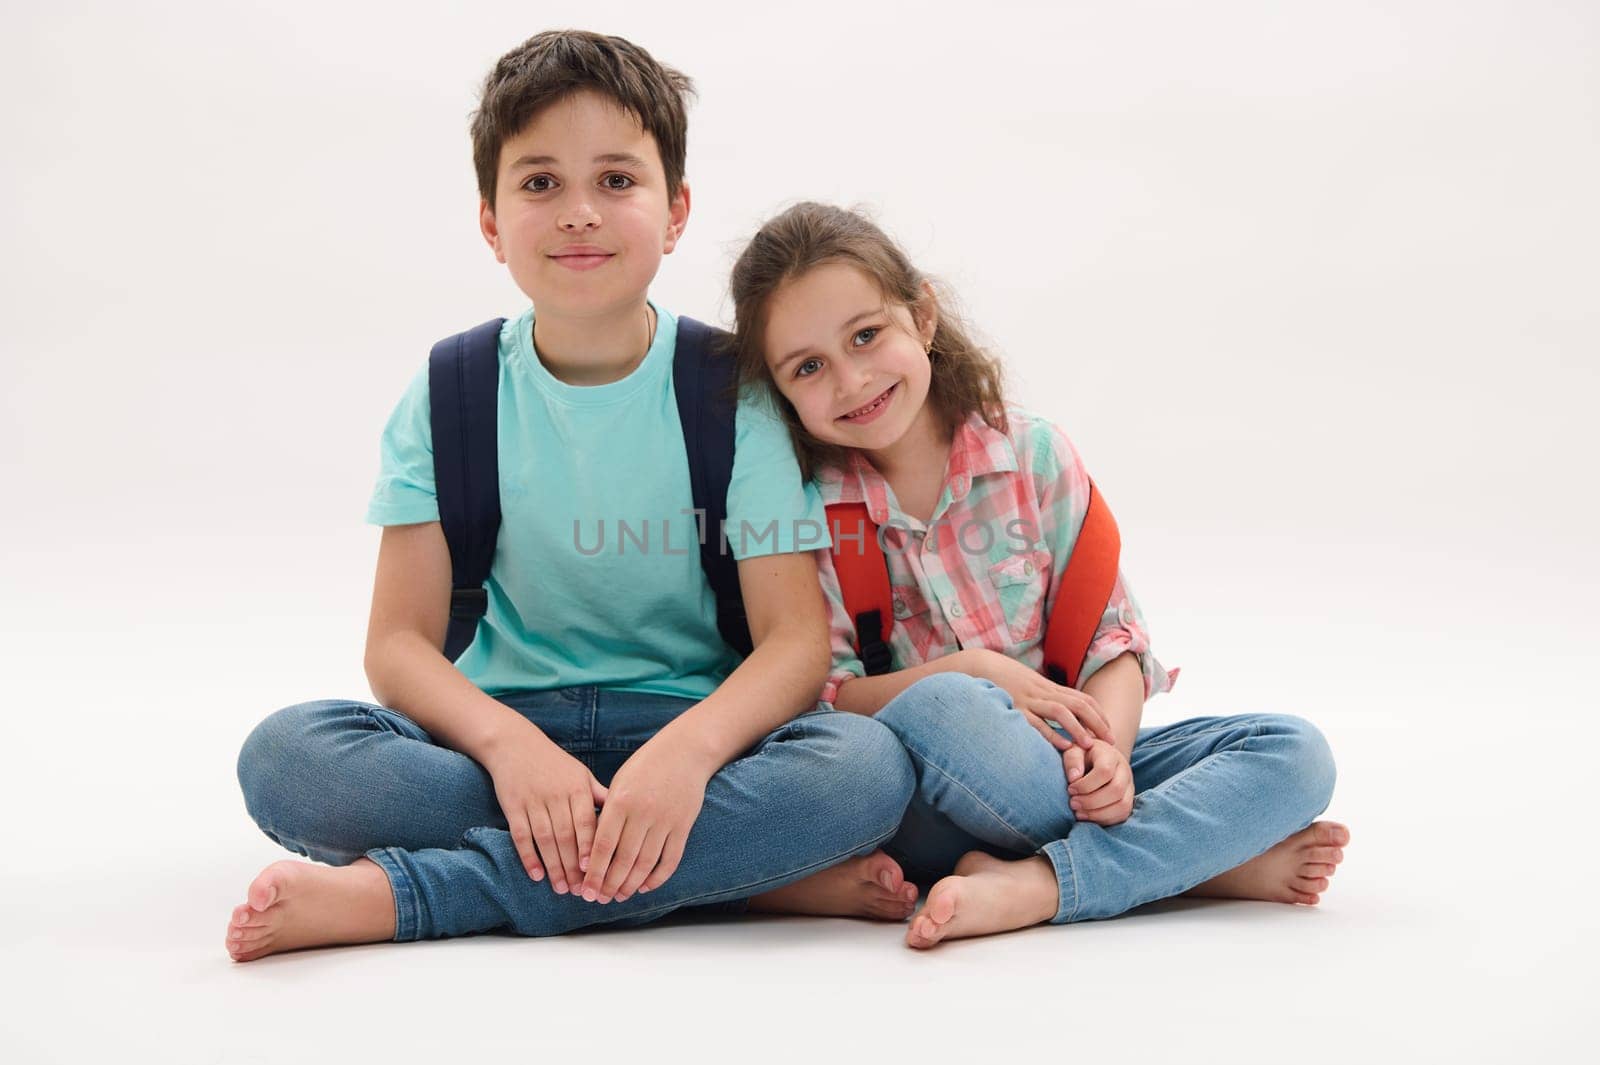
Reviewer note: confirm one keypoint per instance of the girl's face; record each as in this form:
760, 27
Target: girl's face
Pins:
856, 371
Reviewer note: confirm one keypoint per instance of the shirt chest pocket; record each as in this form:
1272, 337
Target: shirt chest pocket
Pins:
910, 608
1019, 583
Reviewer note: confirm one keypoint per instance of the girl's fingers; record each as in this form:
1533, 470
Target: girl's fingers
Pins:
1098, 776
1054, 711
1109, 795
1054, 738
644, 865
1089, 712
1072, 762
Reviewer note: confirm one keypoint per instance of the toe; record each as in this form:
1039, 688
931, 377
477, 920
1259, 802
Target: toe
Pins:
884, 871
1315, 869
1328, 855
264, 889
1331, 833
1311, 885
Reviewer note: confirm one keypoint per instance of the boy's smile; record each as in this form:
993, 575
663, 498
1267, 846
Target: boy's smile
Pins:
582, 217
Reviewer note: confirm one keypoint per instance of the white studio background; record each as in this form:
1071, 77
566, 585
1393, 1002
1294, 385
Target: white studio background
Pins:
1311, 286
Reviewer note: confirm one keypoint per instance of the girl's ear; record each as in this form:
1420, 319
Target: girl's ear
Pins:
926, 314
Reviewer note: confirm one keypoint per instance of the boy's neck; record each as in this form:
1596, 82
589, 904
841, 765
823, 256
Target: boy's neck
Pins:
594, 351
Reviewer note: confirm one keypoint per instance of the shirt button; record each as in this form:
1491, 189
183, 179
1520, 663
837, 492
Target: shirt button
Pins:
1027, 567
1125, 614
955, 610
900, 610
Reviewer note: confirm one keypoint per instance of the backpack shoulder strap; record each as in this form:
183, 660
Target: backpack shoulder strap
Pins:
1086, 587
863, 575
463, 391
703, 381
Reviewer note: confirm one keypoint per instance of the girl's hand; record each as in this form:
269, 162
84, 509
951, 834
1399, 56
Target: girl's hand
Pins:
548, 798
1099, 783
652, 804
1041, 700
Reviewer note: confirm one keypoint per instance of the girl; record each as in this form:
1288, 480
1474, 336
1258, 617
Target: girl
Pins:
1035, 801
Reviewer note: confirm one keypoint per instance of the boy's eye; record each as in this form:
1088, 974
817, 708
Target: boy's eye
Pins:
617, 181
800, 371
540, 183
869, 332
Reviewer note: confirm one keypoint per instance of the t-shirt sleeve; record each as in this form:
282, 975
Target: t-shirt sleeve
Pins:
771, 511
1063, 491
405, 493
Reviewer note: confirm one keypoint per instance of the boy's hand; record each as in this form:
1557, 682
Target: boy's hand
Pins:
653, 802
1099, 783
1041, 700
548, 798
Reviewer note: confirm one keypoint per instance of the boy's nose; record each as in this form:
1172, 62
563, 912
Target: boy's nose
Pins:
578, 216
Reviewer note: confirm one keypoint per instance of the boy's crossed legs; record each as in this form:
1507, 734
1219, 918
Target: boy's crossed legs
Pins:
420, 844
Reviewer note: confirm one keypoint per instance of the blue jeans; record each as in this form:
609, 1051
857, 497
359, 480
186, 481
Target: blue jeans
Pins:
338, 780
1211, 793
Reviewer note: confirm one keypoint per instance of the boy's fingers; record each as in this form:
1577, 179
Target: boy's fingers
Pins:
522, 836
633, 838
544, 838
1072, 762
605, 844
644, 865
566, 840
671, 855
583, 828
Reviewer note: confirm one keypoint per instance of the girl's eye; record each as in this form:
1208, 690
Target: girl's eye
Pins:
869, 332
539, 183
800, 371
617, 181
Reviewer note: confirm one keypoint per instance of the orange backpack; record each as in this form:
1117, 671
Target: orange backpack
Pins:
1085, 589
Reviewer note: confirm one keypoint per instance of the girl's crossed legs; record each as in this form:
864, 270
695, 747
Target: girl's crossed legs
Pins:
1223, 806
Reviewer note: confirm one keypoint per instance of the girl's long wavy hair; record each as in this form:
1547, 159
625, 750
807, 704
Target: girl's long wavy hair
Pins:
966, 378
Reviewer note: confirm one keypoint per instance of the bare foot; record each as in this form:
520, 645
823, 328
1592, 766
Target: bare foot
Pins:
870, 886
1296, 870
300, 904
986, 895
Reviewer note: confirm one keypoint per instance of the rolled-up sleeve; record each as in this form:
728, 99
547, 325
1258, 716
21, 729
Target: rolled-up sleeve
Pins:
1063, 491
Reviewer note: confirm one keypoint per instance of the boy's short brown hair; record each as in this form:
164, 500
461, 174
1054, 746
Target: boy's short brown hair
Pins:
552, 65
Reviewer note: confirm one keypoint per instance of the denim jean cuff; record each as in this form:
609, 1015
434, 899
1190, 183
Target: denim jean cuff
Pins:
406, 922
1060, 856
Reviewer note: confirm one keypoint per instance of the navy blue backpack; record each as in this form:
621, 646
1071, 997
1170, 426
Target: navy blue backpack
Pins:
463, 387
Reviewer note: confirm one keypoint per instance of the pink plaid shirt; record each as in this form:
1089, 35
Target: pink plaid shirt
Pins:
985, 571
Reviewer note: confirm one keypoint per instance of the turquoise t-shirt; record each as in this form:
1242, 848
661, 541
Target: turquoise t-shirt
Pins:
596, 578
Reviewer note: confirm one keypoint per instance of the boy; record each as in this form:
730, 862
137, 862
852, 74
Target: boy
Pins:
597, 676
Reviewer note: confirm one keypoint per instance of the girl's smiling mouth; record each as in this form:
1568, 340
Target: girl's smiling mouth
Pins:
870, 412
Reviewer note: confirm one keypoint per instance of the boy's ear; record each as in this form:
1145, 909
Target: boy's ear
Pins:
926, 313
677, 217
490, 228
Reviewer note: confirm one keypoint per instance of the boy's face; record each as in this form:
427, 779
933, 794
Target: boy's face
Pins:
582, 217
